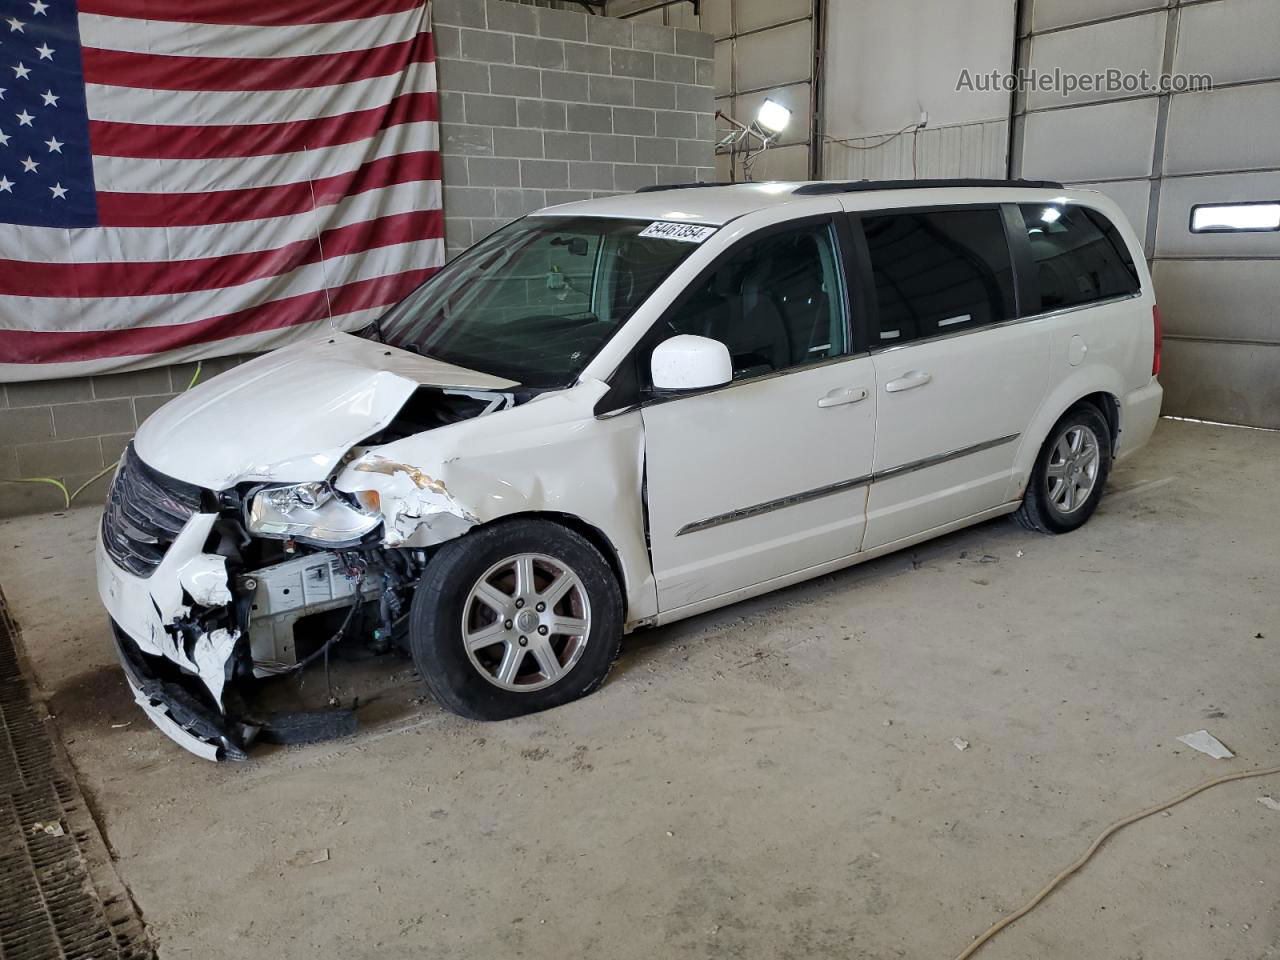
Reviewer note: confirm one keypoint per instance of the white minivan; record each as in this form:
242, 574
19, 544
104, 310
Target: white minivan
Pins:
617, 413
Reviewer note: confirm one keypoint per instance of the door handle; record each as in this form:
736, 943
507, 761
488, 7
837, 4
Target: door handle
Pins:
908, 381
843, 395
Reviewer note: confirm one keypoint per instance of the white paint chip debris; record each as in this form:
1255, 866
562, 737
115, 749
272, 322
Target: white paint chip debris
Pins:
960, 743
1207, 743
1271, 803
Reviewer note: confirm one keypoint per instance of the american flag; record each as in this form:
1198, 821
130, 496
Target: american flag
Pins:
188, 178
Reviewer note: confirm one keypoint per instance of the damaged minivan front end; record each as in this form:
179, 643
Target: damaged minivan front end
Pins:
279, 517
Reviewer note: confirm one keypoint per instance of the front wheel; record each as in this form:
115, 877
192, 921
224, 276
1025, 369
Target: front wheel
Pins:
1070, 472
515, 618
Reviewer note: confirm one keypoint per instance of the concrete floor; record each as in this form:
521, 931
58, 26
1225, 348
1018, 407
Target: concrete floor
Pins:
773, 780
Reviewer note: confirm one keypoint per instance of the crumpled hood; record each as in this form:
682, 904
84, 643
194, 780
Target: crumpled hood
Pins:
290, 415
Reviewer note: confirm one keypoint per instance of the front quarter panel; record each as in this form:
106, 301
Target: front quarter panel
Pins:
550, 455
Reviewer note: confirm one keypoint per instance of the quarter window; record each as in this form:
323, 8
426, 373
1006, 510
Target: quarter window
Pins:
938, 272
776, 303
1079, 255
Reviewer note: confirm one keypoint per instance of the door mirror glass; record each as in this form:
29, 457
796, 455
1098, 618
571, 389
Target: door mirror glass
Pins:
686, 362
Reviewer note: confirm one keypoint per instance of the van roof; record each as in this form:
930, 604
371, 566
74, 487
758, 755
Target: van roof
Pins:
718, 203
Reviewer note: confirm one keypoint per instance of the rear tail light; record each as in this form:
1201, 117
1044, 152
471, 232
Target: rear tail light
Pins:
1159, 341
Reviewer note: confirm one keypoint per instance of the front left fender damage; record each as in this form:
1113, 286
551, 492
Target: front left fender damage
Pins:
417, 509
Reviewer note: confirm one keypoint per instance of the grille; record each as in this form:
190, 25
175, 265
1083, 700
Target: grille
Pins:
145, 513
60, 898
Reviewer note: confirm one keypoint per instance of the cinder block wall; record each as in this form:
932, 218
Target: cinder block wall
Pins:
542, 106
538, 106
69, 430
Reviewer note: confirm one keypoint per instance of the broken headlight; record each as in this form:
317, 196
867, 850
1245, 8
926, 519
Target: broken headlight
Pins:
311, 512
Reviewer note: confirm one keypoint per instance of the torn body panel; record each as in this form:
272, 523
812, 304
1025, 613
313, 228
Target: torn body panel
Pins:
435, 486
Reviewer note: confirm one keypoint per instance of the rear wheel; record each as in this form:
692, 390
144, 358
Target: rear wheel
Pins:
1070, 472
515, 618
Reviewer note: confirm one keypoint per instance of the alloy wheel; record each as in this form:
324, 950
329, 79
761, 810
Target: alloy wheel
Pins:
526, 621
1073, 467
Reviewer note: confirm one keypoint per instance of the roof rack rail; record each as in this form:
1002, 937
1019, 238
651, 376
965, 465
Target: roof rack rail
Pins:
853, 186
685, 186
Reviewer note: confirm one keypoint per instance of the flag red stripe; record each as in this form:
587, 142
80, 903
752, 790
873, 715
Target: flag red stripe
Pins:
124, 69
25, 346
259, 203
276, 13
150, 141
150, 278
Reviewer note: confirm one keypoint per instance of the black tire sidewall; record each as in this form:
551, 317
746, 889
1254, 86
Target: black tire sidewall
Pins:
1051, 516
435, 632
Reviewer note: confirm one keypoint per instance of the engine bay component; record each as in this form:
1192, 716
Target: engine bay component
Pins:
282, 594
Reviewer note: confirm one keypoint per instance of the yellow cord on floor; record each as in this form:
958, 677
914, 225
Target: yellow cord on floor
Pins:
1053, 884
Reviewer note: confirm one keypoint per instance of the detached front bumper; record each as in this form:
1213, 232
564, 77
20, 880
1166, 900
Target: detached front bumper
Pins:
178, 637
179, 714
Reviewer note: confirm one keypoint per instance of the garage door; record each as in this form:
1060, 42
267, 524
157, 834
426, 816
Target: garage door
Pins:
1159, 155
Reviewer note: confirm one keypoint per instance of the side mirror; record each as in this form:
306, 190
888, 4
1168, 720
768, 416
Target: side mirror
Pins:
686, 362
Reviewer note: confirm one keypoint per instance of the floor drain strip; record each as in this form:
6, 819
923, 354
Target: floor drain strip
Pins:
55, 904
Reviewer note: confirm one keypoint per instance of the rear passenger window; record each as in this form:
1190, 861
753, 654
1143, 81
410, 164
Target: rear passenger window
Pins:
1079, 255
938, 271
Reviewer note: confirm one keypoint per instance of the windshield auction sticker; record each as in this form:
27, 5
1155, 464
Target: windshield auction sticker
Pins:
684, 232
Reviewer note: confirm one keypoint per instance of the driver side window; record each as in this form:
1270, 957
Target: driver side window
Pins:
776, 304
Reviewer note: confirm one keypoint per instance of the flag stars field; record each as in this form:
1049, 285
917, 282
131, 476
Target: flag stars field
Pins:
189, 178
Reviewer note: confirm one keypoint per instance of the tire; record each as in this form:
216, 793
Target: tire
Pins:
473, 586
1057, 500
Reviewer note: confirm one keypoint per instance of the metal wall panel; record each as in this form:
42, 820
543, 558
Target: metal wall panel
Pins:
1063, 144
1233, 40
1237, 128
773, 57
963, 150
758, 14
1226, 382
1219, 299
1052, 14
1130, 45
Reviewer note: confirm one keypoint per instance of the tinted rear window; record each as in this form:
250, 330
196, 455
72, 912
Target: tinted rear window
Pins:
1079, 255
938, 271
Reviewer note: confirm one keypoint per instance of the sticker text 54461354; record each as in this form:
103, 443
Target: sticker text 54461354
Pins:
684, 232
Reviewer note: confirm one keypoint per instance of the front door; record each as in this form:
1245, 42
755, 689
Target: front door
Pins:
767, 475
957, 382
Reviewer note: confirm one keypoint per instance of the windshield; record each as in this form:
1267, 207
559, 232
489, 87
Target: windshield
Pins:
535, 301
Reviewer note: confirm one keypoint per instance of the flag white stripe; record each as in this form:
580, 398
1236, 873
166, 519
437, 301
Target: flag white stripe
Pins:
175, 39
231, 107
38, 313
116, 244
133, 175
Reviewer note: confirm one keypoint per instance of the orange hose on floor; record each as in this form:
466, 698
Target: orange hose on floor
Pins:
1053, 884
